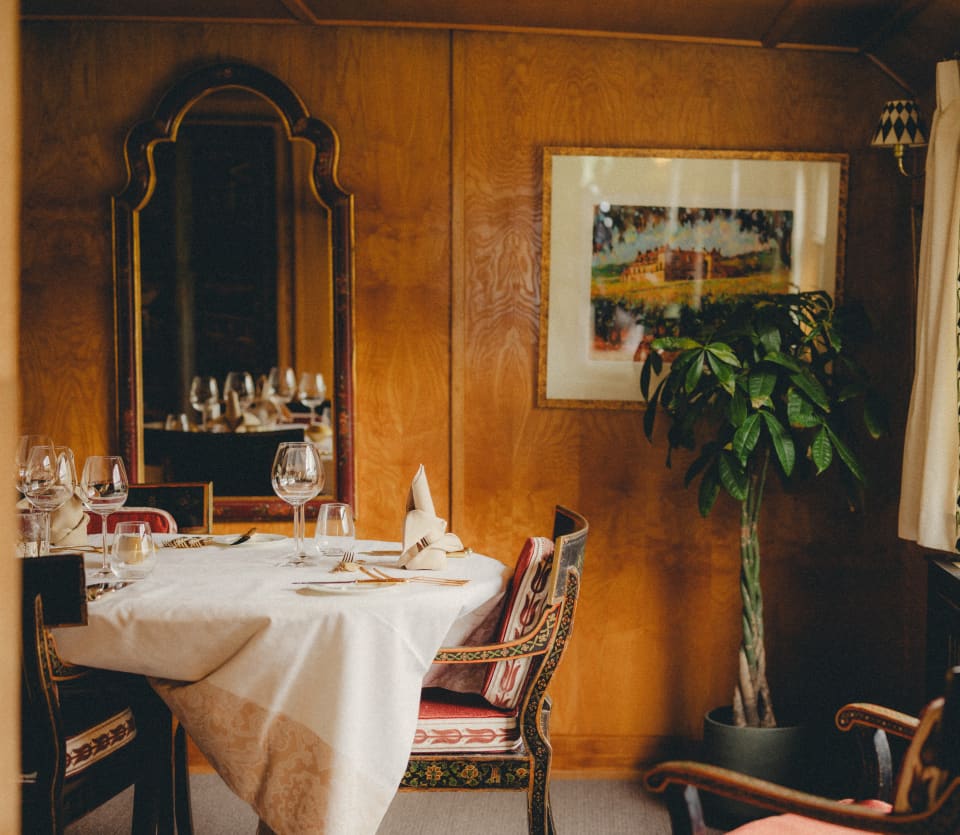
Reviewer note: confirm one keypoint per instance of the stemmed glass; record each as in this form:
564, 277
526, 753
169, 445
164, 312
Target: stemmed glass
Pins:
312, 391
297, 477
50, 479
281, 385
204, 397
24, 444
103, 489
242, 383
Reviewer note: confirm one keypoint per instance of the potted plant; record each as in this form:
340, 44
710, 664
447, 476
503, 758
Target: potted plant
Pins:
760, 382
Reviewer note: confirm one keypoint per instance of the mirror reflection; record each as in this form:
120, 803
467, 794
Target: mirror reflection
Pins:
244, 274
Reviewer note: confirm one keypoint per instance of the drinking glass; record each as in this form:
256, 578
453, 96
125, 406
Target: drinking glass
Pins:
204, 397
312, 391
281, 384
134, 552
242, 383
335, 529
24, 444
297, 477
50, 479
103, 489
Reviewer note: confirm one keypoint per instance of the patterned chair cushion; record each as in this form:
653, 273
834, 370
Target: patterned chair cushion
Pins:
463, 722
796, 825
527, 598
92, 744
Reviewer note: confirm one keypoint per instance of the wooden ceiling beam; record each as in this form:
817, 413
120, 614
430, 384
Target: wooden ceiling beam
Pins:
897, 21
781, 23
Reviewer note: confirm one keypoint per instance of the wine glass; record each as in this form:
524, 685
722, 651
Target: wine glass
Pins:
103, 489
297, 477
312, 391
204, 396
281, 384
242, 383
50, 479
24, 444
335, 529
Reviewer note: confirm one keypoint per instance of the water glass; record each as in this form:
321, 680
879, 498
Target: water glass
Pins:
33, 533
134, 553
335, 529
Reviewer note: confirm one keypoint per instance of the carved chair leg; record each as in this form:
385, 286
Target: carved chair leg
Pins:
181, 783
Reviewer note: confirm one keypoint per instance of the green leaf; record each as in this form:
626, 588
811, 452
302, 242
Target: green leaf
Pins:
760, 386
738, 408
782, 442
674, 343
724, 353
732, 475
800, 410
846, 455
650, 414
652, 365
770, 338
821, 450
784, 360
875, 415
746, 437
694, 372
810, 386
708, 492
725, 375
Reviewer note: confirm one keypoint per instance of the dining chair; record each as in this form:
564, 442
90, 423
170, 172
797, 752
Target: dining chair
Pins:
189, 502
86, 735
924, 799
161, 521
499, 739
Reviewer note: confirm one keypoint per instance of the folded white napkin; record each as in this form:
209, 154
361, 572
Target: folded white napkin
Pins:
426, 542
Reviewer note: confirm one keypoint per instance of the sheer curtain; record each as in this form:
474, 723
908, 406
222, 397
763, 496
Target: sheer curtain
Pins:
931, 456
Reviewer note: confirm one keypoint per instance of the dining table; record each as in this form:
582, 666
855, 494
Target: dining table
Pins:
300, 687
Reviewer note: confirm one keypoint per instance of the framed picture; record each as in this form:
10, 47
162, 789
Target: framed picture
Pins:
632, 238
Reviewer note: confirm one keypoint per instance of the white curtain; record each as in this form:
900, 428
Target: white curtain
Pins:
931, 455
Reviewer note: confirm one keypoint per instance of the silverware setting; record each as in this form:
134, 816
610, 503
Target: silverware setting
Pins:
202, 540
98, 590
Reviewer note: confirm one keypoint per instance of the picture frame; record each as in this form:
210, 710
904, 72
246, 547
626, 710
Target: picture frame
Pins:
632, 236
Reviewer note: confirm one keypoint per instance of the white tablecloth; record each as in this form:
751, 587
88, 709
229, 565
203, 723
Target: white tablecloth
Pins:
305, 703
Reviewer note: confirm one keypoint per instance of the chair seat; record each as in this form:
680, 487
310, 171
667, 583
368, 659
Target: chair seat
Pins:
160, 521
463, 722
797, 825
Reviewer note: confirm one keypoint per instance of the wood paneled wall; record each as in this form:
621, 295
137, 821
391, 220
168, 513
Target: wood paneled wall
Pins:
441, 143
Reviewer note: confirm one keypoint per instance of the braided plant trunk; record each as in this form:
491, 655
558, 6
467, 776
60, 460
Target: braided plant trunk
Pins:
752, 705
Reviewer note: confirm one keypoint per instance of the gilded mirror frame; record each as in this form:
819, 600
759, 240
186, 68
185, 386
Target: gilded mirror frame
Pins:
141, 180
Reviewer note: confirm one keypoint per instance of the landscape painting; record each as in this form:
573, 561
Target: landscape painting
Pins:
649, 262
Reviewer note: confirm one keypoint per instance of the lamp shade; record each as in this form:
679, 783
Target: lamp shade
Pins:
900, 124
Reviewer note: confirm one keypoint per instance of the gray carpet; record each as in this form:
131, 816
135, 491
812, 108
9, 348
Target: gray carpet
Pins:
597, 807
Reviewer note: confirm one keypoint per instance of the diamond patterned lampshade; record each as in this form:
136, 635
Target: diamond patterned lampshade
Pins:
900, 124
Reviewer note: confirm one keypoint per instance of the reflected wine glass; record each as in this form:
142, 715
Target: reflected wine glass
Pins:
281, 384
336, 532
24, 444
297, 477
50, 479
312, 391
103, 489
242, 383
204, 397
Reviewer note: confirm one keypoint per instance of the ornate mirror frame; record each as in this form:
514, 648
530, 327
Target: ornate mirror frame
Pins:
141, 179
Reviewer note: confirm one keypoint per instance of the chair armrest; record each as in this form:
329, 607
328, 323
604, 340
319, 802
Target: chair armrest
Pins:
859, 714
771, 796
535, 642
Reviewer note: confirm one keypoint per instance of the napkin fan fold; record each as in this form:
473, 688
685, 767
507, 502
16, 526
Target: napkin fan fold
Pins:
426, 542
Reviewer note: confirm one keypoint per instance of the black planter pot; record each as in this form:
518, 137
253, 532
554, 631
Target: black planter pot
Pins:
779, 754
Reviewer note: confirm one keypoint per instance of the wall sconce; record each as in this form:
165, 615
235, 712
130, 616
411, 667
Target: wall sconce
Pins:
900, 125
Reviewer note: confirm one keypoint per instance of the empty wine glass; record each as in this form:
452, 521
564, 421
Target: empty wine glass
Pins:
336, 533
312, 391
297, 477
281, 384
242, 383
204, 397
103, 489
24, 444
50, 479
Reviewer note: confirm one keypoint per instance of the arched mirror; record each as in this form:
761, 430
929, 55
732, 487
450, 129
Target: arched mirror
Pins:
233, 252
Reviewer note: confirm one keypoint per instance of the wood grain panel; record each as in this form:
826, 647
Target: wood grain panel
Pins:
447, 311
